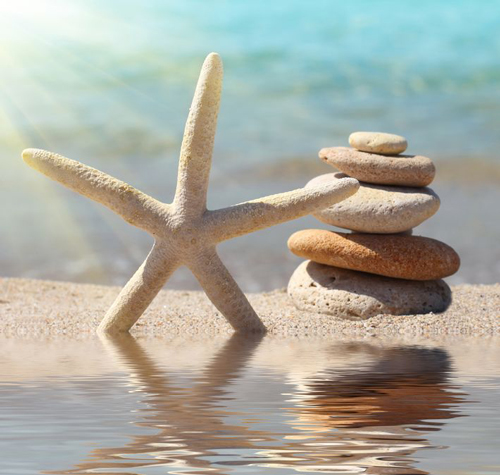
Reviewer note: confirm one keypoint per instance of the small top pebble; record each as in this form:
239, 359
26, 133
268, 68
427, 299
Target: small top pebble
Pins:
378, 142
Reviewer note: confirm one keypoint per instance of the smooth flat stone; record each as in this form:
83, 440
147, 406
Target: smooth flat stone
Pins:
350, 294
378, 142
399, 256
404, 170
378, 209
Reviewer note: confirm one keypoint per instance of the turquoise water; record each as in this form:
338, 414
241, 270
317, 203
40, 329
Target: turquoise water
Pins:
110, 83
299, 75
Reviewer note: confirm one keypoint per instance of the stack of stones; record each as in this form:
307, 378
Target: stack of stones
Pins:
380, 267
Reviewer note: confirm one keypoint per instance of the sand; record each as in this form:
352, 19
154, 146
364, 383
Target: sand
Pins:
39, 307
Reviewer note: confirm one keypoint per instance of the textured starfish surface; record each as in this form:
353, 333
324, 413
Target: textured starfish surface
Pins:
185, 232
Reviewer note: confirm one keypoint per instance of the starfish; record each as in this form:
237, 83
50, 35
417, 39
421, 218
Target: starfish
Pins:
185, 232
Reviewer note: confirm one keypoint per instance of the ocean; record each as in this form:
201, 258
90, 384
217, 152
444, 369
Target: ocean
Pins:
110, 84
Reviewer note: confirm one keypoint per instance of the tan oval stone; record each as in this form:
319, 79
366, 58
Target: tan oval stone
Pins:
350, 294
399, 256
378, 209
403, 170
378, 142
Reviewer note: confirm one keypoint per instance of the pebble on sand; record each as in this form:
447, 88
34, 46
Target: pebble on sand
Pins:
399, 256
350, 294
378, 142
405, 170
378, 209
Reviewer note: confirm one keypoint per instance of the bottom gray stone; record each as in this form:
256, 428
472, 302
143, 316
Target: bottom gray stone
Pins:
357, 295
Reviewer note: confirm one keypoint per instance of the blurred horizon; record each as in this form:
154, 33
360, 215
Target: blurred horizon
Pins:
110, 84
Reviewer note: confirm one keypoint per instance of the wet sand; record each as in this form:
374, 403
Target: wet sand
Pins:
40, 307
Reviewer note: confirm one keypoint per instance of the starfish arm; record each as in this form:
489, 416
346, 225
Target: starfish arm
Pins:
198, 141
258, 214
224, 293
132, 205
140, 290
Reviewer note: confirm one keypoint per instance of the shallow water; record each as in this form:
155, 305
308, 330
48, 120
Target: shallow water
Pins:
248, 406
113, 80
103, 249
110, 84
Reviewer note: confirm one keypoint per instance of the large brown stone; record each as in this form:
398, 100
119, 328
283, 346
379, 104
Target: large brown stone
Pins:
356, 295
402, 170
399, 256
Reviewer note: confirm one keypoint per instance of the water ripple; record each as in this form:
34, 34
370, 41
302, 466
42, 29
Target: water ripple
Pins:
248, 406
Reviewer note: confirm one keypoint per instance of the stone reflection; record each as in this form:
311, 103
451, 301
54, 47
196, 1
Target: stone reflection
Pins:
367, 411
372, 420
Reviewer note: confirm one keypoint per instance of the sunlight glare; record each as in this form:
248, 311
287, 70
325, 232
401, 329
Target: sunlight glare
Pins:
32, 9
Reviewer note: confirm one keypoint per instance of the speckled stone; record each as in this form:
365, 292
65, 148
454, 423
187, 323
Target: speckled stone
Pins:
399, 256
350, 294
404, 170
378, 142
378, 209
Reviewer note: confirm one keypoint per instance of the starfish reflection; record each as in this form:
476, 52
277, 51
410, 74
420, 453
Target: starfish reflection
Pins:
192, 427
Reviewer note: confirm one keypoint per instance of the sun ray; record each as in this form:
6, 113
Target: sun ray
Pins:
10, 62
60, 211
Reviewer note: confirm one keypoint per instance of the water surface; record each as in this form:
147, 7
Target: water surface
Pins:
249, 406
110, 84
